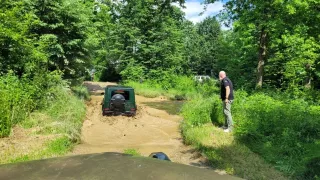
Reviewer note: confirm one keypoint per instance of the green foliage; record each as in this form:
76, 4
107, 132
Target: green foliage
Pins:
46, 92
61, 27
200, 113
59, 146
132, 152
145, 89
285, 133
280, 35
133, 72
57, 112
219, 148
172, 86
43, 42
277, 130
81, 92
18, 53
14, 103
142, 37
19, 98
311, 169
63, 116
40, 42
61, 119
54, 148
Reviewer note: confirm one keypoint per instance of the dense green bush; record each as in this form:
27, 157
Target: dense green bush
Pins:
65, 113
174, 86
81, 92
198, 111
285, 133
15, 102
277, 130
133, 72
145, 89
20, 96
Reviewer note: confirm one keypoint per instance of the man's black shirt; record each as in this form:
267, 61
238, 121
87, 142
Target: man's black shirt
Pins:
224, 83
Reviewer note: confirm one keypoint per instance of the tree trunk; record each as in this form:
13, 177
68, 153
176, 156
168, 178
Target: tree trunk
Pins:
262, 56
307, 82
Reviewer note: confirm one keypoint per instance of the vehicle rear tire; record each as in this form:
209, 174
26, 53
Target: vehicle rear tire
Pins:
117, 103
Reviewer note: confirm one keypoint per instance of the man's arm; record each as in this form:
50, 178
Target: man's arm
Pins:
227, 92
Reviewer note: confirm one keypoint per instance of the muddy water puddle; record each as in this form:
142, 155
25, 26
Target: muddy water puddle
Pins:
155, 128
171, 107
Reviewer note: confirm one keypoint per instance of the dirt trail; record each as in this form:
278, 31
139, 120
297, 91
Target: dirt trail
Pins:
151, 130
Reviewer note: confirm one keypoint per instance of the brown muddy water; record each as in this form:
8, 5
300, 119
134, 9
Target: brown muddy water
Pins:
155, 128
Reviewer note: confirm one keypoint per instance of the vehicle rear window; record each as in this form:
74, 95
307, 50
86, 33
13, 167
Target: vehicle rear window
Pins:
124, 93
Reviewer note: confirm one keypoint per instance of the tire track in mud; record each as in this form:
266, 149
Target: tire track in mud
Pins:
151, 130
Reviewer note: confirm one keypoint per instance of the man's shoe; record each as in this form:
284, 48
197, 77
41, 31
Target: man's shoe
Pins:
224, 127
227, 130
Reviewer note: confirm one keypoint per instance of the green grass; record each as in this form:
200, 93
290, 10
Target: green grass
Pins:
174, 87
81, 92
279, 131
53, 148
226, 154
16, 102
283, 134
187, 89
274, 138
132, 152
62, 119
64, 116
145, 89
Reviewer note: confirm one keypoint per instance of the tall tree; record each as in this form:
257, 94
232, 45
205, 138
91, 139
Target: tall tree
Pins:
210, 32
261, 17
17, 51
62, 26
148, 35
269, 27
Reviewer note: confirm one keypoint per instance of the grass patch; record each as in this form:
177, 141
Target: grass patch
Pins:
178, 88
62, 120
145, 89
284, 134
81, 92
132, 152
54, 148
59, 146
226, 154
64, 116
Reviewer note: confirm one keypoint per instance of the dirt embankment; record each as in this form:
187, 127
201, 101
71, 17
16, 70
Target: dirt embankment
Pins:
151, 130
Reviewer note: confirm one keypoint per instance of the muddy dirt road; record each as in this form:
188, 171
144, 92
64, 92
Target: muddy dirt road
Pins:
151, 130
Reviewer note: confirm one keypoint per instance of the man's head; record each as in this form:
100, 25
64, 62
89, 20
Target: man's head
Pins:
222, 75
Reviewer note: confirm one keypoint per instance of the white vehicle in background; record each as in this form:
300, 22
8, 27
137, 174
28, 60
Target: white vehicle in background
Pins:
201, 78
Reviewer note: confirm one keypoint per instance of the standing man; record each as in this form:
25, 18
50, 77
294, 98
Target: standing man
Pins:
226, 96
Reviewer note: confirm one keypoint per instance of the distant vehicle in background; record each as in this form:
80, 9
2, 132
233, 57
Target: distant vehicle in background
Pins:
201, 78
